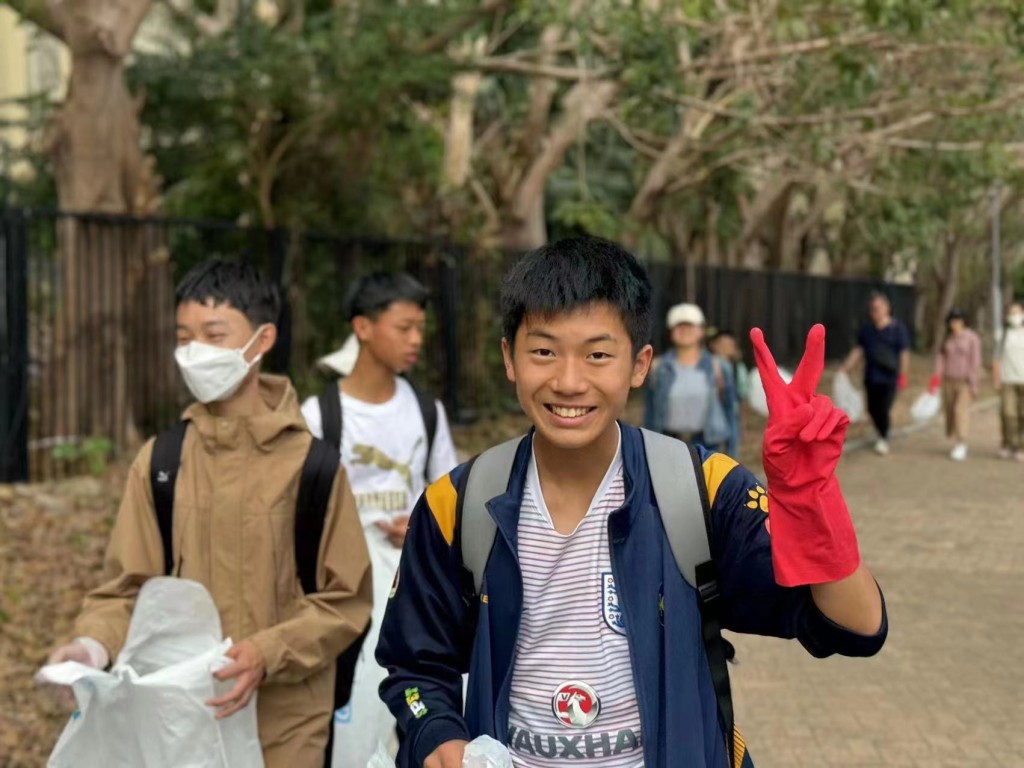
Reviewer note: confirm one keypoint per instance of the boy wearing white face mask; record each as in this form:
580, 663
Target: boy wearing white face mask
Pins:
1008, 377
233, 528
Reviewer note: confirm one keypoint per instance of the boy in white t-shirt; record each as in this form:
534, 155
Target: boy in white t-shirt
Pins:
383, 428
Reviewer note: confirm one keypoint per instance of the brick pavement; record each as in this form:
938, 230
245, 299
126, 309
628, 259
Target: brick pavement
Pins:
947, 691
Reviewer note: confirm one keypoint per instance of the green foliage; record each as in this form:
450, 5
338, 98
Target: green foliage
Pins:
25, 178
94, 452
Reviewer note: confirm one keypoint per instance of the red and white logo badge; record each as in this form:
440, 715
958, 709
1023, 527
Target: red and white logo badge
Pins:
575, 704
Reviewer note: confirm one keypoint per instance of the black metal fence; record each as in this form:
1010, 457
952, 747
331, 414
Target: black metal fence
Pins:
87, 322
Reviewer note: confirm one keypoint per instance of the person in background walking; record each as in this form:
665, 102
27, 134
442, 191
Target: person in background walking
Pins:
956, 370
884, 345
690, 389
1008, 377
723, 346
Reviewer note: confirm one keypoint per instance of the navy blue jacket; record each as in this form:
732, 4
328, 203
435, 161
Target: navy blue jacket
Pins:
435, 629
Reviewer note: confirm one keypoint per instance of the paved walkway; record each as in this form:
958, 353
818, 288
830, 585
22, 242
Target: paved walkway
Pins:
945, 541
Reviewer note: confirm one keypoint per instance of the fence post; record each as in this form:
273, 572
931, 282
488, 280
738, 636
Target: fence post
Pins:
13, 349
449, 316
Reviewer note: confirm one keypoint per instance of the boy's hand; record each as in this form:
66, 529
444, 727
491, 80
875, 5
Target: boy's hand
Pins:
70, 652
395, 530
448, 755
813, 540
249, 668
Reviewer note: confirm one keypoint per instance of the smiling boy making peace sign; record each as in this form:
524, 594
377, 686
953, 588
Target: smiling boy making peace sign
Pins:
584, 643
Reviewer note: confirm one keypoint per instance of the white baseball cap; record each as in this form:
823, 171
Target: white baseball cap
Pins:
684, 313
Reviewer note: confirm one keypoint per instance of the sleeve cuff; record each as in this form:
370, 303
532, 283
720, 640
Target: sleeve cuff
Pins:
823, 637
98, 656
436, 732
271, 650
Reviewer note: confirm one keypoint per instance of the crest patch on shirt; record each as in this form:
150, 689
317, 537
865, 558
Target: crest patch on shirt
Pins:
611, 609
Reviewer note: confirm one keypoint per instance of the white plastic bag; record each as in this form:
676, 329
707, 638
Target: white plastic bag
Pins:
485, 752
482, 752
380, 758
926, 406
756, 397
847, 397
149, 711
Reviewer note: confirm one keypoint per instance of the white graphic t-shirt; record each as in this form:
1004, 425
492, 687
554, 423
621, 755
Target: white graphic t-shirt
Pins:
384, 450
572, 700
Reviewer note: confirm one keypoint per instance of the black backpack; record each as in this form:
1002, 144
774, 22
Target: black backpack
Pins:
315, 484
331, 418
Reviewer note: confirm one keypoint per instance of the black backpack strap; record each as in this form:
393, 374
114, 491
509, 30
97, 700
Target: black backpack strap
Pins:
719, 650
315, 485
163, 473
428, 410
330, 413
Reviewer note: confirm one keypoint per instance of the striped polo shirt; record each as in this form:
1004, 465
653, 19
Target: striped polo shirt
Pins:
572, 698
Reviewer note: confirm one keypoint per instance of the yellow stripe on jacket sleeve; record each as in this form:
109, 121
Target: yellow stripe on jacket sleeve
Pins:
739, 747
717, 466
442, 498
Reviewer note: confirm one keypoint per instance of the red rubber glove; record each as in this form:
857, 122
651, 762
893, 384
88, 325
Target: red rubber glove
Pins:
933, 384
813, 540
901, 382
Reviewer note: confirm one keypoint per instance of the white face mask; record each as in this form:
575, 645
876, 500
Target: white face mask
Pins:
1015, 320
214, 373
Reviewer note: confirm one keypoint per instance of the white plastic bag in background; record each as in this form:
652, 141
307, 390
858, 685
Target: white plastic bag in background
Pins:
756, 397
847, 397
926, 406
485, 752
149, 711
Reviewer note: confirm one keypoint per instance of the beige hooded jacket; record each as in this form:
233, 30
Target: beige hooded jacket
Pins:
234, 533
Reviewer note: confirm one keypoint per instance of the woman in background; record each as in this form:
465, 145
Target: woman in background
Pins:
957, 366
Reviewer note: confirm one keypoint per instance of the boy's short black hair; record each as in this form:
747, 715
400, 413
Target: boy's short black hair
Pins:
572, 273
231, 282
721, 333
372, 294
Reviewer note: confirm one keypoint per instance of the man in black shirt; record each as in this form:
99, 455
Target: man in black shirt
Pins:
884, 344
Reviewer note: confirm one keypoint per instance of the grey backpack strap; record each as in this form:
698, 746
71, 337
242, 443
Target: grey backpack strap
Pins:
681, 501
682, 498
488, 477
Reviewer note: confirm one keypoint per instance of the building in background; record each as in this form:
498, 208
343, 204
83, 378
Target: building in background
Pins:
32, 64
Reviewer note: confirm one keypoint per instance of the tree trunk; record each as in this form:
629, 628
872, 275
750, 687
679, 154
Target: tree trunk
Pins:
99, 167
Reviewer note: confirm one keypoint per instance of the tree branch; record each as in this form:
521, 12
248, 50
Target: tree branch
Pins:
437, 43
542, 93
1016, 147
630, 138
520, 67
817, 45
582, 104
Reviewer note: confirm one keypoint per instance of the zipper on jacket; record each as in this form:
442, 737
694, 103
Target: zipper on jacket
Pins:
637, 680
501, 714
